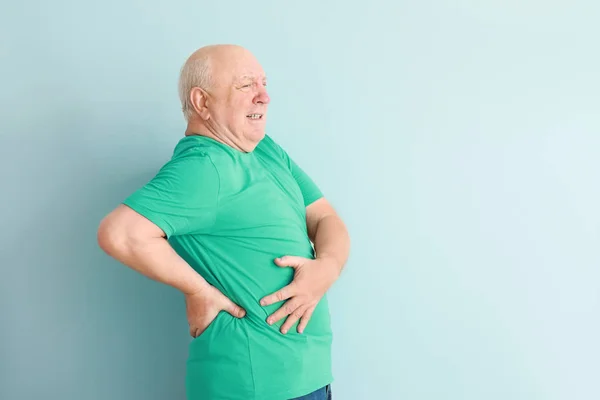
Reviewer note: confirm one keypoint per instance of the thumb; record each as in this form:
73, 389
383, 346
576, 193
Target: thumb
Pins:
233, 308
289, 261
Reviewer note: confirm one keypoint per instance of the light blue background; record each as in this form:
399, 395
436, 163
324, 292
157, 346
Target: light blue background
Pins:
459, 140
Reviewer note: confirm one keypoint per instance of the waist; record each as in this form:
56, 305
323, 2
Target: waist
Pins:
258, 360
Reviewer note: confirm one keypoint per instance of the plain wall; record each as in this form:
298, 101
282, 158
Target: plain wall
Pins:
459, 140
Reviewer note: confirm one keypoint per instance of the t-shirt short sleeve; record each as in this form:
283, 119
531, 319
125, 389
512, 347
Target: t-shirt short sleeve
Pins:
310, 190
182, 198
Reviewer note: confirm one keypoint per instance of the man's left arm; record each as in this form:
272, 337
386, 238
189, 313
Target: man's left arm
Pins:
329, 235
312, 277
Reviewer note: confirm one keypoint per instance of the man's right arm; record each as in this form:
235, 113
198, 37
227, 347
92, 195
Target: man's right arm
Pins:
141, 245
181, 199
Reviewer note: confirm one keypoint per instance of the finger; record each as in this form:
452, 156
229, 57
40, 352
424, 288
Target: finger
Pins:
233, 308
290, 261
305, 318
292, 319
280, 295
288, 308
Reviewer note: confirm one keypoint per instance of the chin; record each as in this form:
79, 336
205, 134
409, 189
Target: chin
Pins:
256, 136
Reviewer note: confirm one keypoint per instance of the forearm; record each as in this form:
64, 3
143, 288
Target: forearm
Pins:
156, 259
332, 241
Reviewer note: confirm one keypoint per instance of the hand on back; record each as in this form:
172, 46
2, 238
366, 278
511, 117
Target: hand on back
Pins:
203, 306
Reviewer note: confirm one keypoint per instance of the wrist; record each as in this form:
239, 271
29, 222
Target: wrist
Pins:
332, 263
195, 287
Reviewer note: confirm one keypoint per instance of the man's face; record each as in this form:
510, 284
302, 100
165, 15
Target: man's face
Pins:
238, 101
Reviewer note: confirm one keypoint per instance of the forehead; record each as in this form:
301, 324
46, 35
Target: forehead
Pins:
239, 67
247, 69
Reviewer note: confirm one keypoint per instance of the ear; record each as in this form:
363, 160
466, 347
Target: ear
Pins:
199, 100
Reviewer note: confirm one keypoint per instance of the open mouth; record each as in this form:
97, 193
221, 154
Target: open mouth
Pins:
254, 116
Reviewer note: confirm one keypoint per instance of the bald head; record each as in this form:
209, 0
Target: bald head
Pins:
208, 67
222, 92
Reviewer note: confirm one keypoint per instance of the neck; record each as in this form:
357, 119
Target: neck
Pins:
201, 129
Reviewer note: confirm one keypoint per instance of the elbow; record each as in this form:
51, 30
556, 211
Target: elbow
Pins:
110, 237
123, 231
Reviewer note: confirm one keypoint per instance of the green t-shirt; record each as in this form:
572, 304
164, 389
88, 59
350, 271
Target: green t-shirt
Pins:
229, 214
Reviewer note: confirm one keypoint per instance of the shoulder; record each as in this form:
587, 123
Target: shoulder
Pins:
193, 160
194, 154
189, 170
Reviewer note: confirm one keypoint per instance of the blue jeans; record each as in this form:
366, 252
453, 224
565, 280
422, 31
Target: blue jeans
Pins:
321, 394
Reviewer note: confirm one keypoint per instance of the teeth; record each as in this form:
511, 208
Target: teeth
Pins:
254, 116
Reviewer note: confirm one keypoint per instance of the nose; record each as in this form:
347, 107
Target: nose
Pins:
262, 97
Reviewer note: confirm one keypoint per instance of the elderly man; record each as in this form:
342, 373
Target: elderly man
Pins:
229, 221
